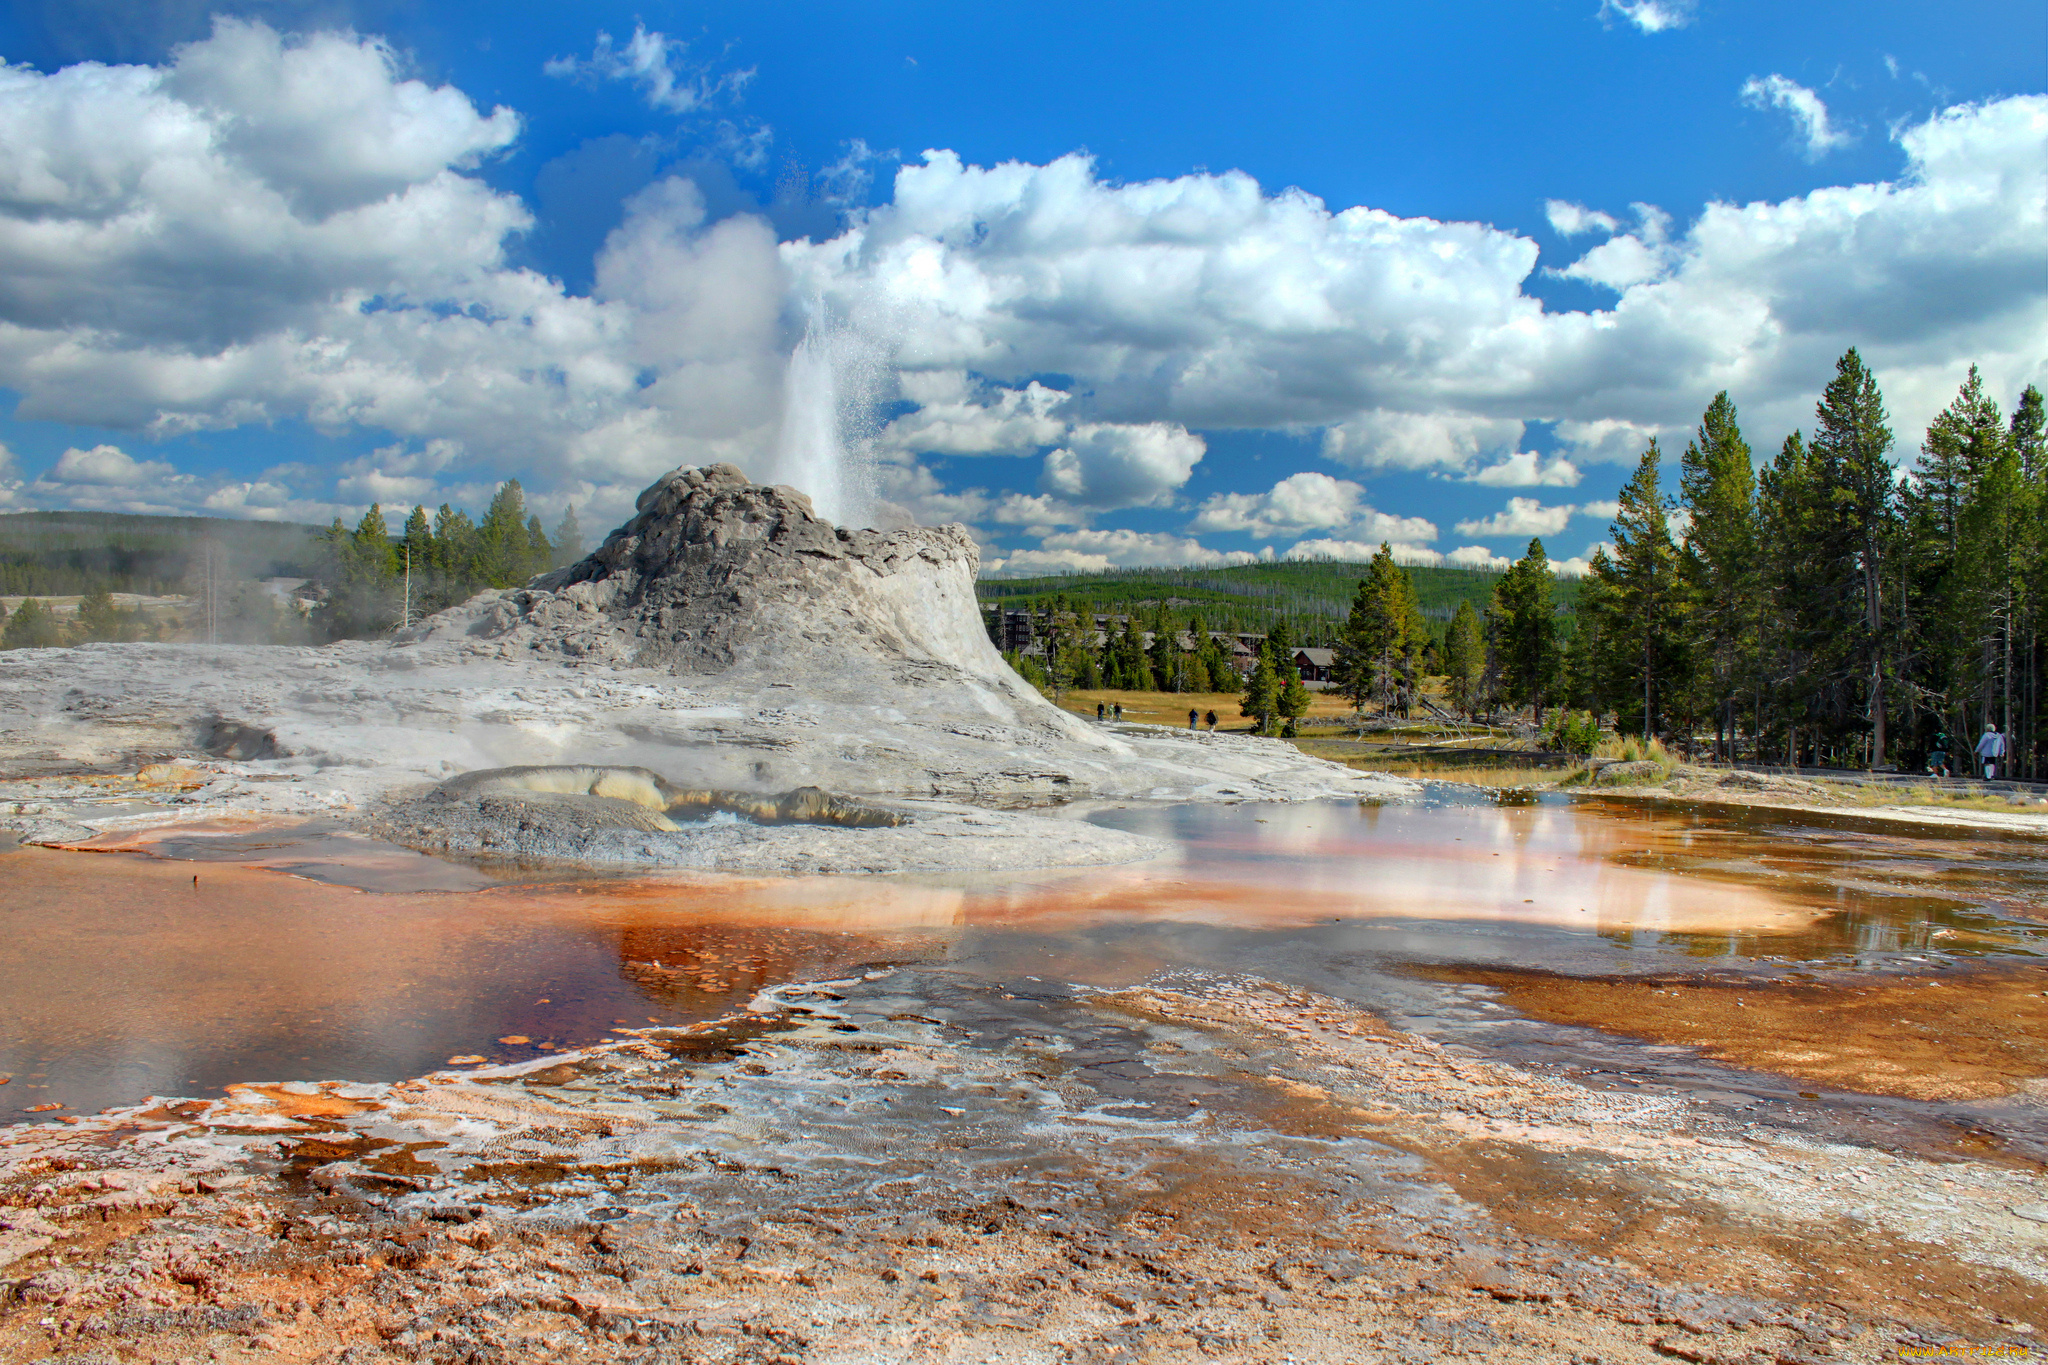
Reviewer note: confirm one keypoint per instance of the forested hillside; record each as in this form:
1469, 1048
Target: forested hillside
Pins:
1312, 596
63, 554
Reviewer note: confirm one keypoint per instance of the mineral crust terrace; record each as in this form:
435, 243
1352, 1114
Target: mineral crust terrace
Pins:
724, 637
909, 1165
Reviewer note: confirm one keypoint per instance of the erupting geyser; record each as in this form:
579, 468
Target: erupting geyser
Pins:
824, 381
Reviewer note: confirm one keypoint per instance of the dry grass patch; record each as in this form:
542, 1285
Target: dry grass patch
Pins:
1171, 708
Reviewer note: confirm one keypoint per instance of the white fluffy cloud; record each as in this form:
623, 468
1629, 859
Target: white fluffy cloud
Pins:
108, 466
267, 227
1816, 132
1570, 220
1107, 464
1610, 440
1410, 342
1521, 517
1359, 551
657, 64
1527, 469
1651, 16
1096, 550
953, 419
1476, 557
1304, 502
1382, 439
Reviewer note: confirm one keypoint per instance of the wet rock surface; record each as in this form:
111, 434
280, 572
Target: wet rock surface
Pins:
915, 1165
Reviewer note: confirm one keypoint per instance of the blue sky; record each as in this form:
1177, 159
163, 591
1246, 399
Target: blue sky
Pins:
1112, 284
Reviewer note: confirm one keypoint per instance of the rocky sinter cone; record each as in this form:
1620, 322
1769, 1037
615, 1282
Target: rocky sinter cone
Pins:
725, 637
714, 572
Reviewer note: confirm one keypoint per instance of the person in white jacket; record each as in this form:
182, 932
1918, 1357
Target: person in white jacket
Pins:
1990, 749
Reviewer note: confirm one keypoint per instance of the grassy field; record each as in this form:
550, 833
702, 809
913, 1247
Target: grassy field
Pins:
1171, 708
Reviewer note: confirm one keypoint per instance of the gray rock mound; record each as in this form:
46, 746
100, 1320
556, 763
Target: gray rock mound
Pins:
714, 573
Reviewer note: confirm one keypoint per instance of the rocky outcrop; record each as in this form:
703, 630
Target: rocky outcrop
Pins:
715, 573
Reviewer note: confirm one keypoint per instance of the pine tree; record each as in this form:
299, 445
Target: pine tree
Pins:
503, 549
1464, 659
1132, 667
1850, 449
1377, 634
568, 538
1523, 618
2030, 446
1799, 615
1590, 670
1644, 598
1717, 488
1946, 589
100, 620
32, 626
418, 541
1261, 699
540, 551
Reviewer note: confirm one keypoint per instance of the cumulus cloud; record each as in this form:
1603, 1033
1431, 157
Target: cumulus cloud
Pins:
107, 478
1379, 439
1816, 133
1111, 465
657, 64
1651, 16
1303, 502
953, 419
1200, 300
1096, 550
1027, 509
1570, 220
107, 465
1630, 259
1410, 342
270, 226
1476, 557
1527, 469
1521, 517
1359, 551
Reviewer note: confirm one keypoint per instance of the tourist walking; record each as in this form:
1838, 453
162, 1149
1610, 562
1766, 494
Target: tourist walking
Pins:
1194, 719
1100, 712
1937, 757
1990, 748
1116, 712
1211, 718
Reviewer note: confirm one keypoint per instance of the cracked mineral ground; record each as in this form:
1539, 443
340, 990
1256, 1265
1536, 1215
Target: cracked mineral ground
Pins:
1527, 1079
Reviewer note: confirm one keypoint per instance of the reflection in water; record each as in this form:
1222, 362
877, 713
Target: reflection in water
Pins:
124, 976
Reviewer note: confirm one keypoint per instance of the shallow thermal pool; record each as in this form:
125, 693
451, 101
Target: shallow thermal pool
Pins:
183, 960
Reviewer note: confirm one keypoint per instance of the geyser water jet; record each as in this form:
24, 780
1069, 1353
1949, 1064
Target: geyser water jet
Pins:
826, 390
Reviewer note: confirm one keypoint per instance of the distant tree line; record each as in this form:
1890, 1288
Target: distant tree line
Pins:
1156, 651
376, 582
350, 583
68, 554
